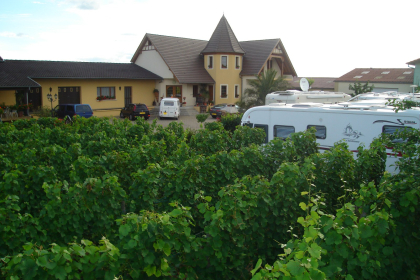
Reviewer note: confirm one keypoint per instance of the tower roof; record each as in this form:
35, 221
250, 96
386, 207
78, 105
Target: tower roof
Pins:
223, 40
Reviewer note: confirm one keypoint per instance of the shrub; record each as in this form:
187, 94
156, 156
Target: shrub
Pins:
231, 121
201, 117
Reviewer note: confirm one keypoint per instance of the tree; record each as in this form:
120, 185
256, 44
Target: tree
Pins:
358, 88
260, 87
311, 82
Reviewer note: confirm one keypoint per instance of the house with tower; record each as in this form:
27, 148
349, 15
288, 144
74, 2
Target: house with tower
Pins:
222, 65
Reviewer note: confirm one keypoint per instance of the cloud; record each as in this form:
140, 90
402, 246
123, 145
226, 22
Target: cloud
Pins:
13, 35
85, 4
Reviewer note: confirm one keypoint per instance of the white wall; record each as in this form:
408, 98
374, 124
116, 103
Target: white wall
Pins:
187, 90
344, 87
152, 61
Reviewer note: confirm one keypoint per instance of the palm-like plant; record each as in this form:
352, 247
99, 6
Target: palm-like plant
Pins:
260, 87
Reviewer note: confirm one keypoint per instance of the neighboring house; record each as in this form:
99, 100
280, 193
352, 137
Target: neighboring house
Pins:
222, 65
383, 79
320, 84
416, 63
76, 82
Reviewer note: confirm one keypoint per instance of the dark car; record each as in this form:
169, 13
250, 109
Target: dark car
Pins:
63, 110
132, 111
216, 110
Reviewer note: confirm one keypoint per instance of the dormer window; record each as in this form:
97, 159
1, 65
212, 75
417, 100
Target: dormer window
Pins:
224, 62
210, 61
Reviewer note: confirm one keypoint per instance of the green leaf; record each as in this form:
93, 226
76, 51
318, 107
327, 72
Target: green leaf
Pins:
303, 206
167, 249
315, 250
29, 268
176, 212
125, 230
387, 251
150, 258
150, 270
164, 264
131, 244
42, 261
295, 268
257, 266
208, 198
60, 273
187, 231
349, 277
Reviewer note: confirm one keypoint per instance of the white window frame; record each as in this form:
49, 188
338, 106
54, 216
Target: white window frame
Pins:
227, 91
238, 58
221, 62
234, 92
208, 62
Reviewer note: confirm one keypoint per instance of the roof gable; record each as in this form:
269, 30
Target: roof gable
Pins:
223, 40
379, 75
182, 56
257, 53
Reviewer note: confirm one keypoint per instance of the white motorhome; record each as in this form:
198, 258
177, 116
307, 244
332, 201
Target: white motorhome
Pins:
388, 96
296, 96
356, 125
169, 108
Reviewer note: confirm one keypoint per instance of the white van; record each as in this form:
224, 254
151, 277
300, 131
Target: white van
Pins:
296, 96
355, 124
169, 108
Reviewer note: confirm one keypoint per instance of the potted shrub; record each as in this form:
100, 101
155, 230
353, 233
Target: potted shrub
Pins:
156, 93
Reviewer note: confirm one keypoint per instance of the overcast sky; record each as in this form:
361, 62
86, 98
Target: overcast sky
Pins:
322, 38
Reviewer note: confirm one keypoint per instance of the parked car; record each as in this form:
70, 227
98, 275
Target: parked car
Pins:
216, 110
169, 108
132, 111
71, 110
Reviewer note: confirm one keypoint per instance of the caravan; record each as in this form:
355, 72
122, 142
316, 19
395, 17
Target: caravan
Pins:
355, 125
296, 96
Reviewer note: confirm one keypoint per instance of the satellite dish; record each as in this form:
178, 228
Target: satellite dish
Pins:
304, 84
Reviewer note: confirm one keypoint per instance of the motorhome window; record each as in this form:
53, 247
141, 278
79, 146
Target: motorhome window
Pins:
321, 131
169, 103
283, 131
265, 128
249, 124
390, 130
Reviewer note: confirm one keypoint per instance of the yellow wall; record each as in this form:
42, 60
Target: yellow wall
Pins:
142, 91
7, 97
229, 77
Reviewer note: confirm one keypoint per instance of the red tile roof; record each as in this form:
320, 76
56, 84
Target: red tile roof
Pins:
379, 75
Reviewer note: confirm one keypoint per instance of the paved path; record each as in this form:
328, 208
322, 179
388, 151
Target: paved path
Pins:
187, 117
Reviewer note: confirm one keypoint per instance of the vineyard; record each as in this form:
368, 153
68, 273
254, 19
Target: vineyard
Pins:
115, 200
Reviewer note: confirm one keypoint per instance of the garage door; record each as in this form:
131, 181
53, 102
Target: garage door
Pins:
69, 95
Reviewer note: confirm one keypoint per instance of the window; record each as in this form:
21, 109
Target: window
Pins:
265, 128
321, 131
223, 91
108, 92
283, 131
237, 62
224, 62
174, 91
390, 130
210, 62
195, 91
236, 91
